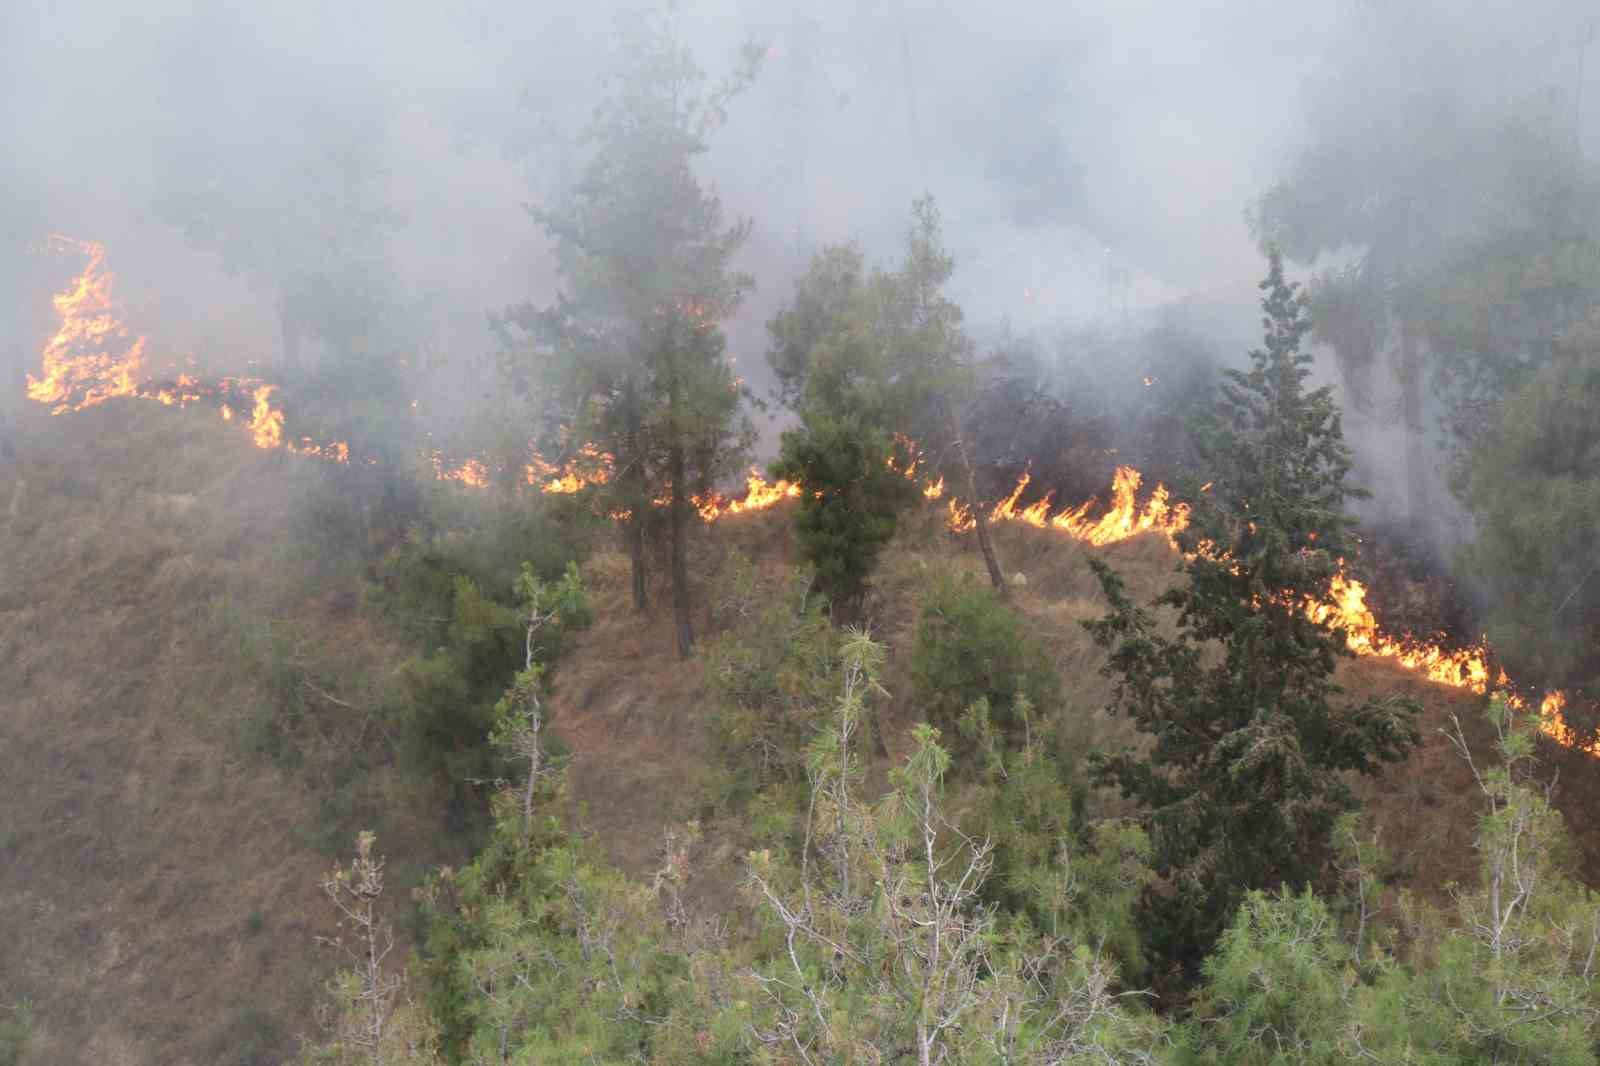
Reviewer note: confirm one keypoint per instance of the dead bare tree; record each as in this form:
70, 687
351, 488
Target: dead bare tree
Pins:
519, 716
371, 1021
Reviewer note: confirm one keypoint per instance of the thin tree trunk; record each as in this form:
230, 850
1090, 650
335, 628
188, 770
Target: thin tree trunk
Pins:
1411, 410
985, 542
635, 535
680, 554
633, 531
534, 753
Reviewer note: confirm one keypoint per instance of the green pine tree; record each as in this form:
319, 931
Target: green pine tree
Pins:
834, 369
632, 358
1244, 778
861, 357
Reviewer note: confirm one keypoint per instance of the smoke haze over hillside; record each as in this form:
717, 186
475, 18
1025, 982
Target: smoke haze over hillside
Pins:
1091, 160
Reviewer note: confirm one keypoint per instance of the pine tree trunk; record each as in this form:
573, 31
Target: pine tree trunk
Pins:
638, 501
985, 542
635, 535
1411, 410
680, 554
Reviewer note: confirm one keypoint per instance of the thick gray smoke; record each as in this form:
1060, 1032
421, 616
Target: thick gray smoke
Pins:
1093, 160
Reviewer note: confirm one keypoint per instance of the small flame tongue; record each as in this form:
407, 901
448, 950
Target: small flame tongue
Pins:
93, 358
1465, 668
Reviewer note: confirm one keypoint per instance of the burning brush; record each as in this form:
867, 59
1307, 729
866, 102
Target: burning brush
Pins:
93, 357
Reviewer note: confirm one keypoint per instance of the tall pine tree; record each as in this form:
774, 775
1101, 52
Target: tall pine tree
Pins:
631, 357
863, 357
1243, 777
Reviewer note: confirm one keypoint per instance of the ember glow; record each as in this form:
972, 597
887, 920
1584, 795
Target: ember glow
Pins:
92, 358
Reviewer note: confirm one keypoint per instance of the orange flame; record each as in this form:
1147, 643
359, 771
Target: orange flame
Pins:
90, 359
590, 467
266, 421
1465, 668
759, 495
473, 472
1123, 521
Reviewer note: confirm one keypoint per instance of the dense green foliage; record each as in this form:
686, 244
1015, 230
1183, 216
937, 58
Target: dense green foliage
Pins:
440, 700
868, 935
631, 357
1534, 485
769, 678
16, 1029
1245, 775
973, 648
1507, 976
850, 510
864, 357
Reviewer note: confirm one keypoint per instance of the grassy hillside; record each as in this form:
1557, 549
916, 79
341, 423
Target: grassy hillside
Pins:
159, 861
159, 850
628, 705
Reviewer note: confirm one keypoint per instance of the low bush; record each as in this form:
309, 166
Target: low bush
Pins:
971, 647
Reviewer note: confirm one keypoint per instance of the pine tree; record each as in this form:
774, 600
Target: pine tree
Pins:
937, 362
631, 358
1243, 780
833, 369
863, 358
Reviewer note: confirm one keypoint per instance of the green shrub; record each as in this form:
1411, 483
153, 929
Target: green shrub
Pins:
16, 1033
770, 680
971, 646
853, 506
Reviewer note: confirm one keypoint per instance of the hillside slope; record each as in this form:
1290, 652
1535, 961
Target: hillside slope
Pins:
628, 705
158, 898
158, 877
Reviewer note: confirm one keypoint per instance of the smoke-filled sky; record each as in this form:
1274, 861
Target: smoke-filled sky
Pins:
1090, 156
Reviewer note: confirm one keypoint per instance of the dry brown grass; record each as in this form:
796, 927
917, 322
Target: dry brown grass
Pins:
156, 887
632, 711
158, 894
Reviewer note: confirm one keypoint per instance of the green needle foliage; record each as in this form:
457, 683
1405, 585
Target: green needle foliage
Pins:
1533, 484
862, 357
631, 357
1244, 779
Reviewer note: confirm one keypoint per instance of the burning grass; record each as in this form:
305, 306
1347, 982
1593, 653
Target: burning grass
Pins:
127, 879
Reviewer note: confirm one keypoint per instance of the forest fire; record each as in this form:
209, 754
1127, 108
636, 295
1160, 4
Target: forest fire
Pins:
93, 358
760, 494
1466, 668
1124, 520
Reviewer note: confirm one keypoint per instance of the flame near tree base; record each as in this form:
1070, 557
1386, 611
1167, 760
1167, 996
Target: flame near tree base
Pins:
93, 358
